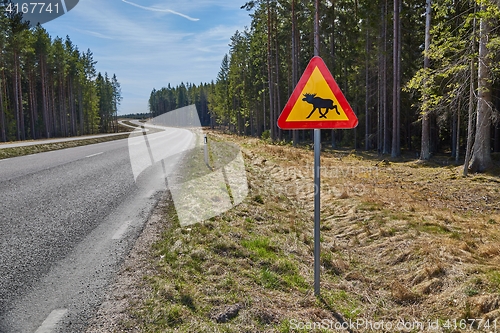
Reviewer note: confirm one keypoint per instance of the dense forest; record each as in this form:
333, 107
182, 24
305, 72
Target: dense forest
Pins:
420, 75
48, 88
168, 99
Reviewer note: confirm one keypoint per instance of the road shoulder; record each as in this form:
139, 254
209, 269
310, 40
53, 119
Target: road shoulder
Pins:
129, 287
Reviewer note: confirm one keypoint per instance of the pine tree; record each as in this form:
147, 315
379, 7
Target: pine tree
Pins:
481, 158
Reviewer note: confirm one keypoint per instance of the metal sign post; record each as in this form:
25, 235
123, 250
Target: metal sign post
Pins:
333, 112
317, 176
317, 209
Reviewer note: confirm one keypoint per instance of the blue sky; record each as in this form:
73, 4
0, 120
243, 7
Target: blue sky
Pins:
150, 43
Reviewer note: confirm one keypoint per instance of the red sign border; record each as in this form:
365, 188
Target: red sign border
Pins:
352, 121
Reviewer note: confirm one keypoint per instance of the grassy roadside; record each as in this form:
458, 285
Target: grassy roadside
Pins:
41, 148
45, 147
402, 243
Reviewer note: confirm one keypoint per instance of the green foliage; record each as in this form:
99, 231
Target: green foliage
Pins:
251, 92
258, 199
221, 100
265, 60
55, 89
261, 248
109, 97
455, 35
167, 99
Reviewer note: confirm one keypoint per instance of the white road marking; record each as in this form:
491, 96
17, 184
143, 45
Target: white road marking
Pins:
49, 325
121, 231
5, 159
95, 154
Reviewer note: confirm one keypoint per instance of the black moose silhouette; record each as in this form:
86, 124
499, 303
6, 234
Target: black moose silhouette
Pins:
320, 103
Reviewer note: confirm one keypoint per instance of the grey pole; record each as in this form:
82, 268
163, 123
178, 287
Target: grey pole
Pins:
317, 209
317, 178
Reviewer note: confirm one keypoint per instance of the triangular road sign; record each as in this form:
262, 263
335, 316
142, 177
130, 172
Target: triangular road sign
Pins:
317, 102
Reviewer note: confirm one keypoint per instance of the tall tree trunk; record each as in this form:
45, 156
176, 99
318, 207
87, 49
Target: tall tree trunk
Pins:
333, 52
45, 112
270, 74
481, 158
380, 120
457, 140
33, 105
295, 73
367, 91
385, 109
3, 133
62, 108
55, 121
21, 108
316, 29
17, 101
470, 122
426, 131
72, 106
264, 111
454, 134
277, 91
396, 137
472, 89
252, 126
496, 147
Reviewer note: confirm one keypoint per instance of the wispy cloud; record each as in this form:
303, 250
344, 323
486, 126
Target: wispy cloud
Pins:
93, 33
129, 31
161, 10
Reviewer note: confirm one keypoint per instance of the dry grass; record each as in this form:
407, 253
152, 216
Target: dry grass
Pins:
399, 240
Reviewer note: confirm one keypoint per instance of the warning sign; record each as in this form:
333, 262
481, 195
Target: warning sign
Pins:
317, 102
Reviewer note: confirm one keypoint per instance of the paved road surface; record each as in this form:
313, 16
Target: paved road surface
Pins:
67, 219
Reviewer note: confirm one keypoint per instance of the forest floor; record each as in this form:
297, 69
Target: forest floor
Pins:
405, 247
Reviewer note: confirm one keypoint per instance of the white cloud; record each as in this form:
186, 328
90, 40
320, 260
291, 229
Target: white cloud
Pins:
93, 33
153, 9
112, 23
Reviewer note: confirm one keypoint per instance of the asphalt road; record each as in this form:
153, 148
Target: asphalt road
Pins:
67, 220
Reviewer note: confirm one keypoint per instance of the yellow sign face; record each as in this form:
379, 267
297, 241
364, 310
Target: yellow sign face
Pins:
317, 102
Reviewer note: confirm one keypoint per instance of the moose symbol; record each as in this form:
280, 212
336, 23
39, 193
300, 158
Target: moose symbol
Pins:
320, 103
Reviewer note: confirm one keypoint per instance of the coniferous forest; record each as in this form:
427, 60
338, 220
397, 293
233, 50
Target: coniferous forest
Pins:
48, 88
422, 76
